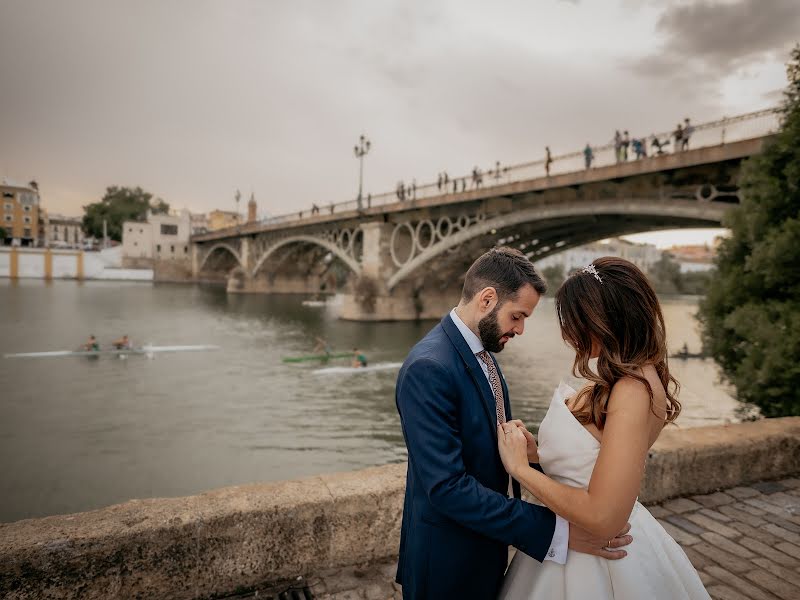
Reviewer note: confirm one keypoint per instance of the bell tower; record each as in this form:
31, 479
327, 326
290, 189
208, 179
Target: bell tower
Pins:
251, 209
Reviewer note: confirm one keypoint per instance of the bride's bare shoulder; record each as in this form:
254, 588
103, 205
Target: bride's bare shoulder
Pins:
629, 388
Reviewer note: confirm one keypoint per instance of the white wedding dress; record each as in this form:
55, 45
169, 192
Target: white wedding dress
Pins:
655, 568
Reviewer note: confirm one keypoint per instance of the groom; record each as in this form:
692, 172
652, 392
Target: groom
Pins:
458, 519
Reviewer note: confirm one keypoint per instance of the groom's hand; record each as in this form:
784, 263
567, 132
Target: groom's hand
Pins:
533, 449
582, 541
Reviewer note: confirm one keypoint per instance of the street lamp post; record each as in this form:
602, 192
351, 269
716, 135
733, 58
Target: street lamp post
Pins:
237, 197
360, 150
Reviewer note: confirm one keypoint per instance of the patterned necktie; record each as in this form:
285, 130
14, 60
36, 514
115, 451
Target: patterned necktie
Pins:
497, 387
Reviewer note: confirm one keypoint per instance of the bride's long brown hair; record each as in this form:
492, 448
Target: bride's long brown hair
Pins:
617, 309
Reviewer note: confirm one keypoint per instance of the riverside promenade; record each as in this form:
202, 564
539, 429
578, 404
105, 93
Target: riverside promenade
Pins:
744, 542
730, 495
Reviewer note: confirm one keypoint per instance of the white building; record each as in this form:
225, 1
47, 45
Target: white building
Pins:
643, 256
199, 223
63, 232
161, 237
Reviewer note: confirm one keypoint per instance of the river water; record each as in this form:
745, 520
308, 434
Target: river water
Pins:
82, 433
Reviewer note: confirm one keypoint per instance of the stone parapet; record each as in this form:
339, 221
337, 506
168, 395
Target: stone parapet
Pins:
703, 459
240, 537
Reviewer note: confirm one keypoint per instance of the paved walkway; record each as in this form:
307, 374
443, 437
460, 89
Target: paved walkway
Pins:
744, 542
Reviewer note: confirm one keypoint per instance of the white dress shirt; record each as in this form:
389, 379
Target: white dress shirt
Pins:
558, 546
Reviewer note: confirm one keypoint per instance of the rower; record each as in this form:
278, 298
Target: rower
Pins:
359, 360
122, 343
322, 346
91, 345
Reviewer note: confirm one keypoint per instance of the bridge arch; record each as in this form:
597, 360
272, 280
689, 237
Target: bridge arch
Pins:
333, 248
220, 246
691, 211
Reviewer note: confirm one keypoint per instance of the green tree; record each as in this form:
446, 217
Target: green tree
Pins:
751, 314
120, 204
2, 234
665, 275
554, 276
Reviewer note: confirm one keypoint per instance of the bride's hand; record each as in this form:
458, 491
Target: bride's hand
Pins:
533, 449
513, 447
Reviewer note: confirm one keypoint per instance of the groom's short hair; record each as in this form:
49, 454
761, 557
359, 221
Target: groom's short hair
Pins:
506, 270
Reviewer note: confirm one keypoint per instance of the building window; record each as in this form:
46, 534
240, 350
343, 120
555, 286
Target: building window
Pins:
8, 195
9, 207
141, 231
135, 243
8, 218
186, 249
172, 249
130, 229
27, 220
26, 232
169, 229
27, 208
158, 248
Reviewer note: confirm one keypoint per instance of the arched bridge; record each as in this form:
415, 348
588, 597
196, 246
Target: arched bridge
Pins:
402, 259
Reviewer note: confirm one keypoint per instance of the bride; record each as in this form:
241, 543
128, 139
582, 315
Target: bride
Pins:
593, 444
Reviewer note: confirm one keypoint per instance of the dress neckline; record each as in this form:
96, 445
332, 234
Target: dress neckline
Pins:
562, 400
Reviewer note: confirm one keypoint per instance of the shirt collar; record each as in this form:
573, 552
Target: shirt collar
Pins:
473, 341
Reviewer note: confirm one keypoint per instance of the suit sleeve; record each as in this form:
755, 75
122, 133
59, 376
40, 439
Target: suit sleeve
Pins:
428, 405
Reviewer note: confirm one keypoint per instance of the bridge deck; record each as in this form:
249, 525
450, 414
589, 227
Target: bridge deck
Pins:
666, 162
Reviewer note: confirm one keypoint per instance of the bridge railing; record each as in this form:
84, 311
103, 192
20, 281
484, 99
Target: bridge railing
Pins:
713, 133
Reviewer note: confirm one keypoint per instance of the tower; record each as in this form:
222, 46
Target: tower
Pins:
251, 209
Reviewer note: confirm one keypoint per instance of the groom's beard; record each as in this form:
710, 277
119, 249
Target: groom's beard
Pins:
489, 332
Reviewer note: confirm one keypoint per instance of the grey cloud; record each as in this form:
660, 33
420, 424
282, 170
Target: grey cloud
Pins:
192, 99
712, 38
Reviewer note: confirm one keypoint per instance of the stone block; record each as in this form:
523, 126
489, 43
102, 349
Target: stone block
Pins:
748, 589
723, 592
728, 545
713, 500
681, 505
712, 525
722, 558
779, 587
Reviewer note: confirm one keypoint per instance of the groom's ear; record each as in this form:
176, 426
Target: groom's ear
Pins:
487, 298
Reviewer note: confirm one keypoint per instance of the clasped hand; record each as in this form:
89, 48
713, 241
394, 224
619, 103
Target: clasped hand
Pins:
517, 446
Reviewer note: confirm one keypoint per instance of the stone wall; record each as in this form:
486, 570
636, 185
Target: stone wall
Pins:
173, 270
239, 537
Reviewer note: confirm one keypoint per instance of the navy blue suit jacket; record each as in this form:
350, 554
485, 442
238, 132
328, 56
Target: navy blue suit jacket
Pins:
457, 518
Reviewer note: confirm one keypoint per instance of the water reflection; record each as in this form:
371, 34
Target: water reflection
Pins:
78, 434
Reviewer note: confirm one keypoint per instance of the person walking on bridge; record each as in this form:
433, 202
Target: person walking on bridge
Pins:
678, 135
618, 146
688, 130
548, 160
588, 156
626, 141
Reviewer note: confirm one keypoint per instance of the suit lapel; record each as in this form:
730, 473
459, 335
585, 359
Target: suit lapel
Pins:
474, 369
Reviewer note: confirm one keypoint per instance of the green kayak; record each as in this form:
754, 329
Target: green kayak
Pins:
323, 357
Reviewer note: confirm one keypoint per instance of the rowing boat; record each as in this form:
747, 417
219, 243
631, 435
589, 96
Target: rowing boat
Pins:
389, 366
145, 350
309, 357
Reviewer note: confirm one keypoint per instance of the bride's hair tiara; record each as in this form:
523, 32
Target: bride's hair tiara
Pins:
592, 270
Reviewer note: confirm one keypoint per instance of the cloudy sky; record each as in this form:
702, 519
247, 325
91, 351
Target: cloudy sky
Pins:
192, 99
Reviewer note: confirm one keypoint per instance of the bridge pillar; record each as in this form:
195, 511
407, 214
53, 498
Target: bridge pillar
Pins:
370, 299
195, 261
240, 279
